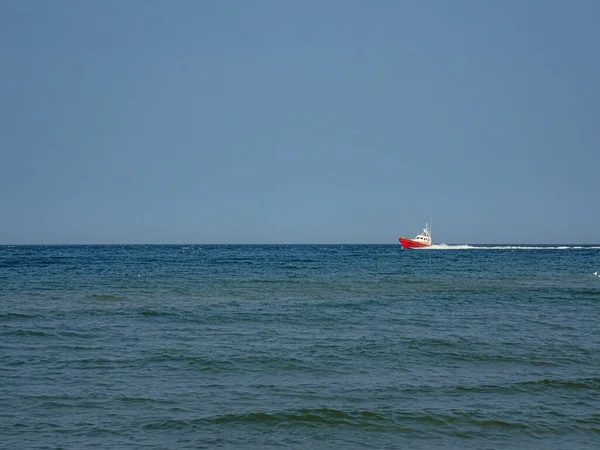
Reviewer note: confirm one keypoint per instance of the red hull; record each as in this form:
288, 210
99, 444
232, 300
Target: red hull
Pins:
409, 243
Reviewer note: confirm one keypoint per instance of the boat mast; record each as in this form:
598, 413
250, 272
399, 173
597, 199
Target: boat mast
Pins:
430, 225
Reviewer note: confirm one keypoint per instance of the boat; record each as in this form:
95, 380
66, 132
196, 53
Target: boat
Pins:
420, 241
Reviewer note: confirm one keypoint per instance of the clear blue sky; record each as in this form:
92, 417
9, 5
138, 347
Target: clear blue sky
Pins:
273, 121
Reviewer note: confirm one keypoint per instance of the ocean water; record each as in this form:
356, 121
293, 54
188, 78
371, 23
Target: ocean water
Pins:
333, 347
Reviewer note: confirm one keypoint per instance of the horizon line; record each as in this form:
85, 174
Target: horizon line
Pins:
290, 244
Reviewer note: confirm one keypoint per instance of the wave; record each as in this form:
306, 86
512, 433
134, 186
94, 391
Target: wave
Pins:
105, 297
311, 418
145, 400
16, 316
586, 383
23, 333
152, 313
321, 416
373, 421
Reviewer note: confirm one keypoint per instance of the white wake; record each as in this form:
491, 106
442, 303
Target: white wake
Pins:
508, 247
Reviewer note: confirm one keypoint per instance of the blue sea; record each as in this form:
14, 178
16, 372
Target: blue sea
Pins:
299, 347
